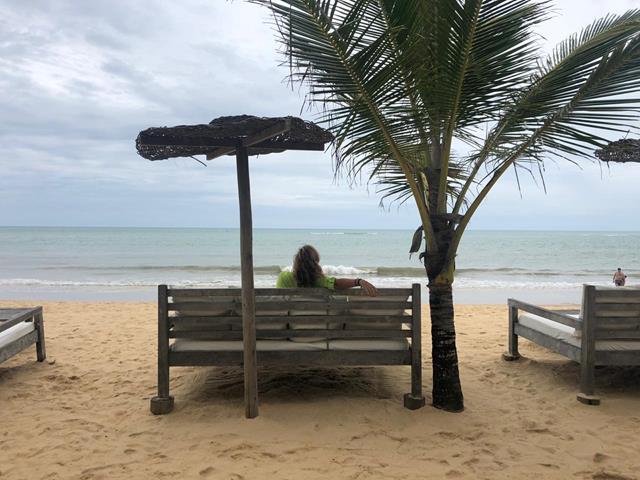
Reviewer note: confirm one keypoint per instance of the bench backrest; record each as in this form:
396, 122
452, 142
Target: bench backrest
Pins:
615, 312
301, 313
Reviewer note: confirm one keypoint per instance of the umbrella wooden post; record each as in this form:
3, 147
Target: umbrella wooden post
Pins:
246, 135
250, 365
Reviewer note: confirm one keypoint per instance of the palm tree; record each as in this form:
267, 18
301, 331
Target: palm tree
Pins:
400, 83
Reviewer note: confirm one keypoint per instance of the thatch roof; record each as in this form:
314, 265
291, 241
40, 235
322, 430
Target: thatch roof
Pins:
224, 134
622, 151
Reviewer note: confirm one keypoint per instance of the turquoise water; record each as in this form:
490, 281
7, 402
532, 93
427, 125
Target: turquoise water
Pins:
127, 263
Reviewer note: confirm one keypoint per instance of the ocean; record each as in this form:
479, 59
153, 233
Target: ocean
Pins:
38, 263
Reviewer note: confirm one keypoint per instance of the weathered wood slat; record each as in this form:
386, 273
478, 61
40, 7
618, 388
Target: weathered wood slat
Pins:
301, 358
618, 326
220, 302
618, 295
236, 322
180, 316
302, 305
306, 292
631, 313
18, 345
269, 334
627, 358
13, 316
10, 313
610, 322
298, 319
630, 334
204, 306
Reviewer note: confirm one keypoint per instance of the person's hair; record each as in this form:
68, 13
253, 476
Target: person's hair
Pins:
619, 268
306, 266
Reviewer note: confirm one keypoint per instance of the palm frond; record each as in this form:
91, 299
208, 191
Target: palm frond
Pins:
398, 80
583, 89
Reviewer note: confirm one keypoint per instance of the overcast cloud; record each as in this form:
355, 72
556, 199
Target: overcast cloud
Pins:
79, 80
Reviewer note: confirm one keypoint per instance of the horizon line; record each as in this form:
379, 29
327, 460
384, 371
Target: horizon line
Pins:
310, 228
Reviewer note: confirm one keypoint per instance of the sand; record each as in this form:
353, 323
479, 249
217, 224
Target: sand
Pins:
84, 414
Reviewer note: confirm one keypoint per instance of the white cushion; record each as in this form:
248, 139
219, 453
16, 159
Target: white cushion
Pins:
370, 344
188, 345
550, 328
14, 333
571, 336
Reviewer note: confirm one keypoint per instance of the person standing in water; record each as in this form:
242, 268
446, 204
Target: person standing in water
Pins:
307, 272
619, 278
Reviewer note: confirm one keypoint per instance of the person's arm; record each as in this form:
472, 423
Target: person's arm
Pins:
346, 283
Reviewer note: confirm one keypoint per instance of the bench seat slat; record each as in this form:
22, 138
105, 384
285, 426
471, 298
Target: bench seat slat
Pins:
299, 319
306, 292
292, 306
320, 333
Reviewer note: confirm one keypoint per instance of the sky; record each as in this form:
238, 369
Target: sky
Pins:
79, 79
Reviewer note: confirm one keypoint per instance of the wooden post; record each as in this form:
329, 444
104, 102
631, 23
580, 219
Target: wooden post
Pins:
513, 353
415, 399
41, 352
163, 402
588, 347
250, 364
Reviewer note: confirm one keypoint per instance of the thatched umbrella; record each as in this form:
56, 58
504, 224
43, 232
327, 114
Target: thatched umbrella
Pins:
242, 136
621, 151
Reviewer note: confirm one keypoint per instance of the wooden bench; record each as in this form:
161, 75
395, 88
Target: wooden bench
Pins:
606, 331
19, 329
203, 326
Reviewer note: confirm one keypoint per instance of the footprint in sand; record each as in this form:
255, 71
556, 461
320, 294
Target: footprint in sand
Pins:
603, 475
206, 471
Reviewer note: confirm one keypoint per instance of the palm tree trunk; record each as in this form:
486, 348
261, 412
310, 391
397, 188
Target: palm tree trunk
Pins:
447, 391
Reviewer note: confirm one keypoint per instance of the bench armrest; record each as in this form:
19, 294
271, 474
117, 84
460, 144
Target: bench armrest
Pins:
553, 315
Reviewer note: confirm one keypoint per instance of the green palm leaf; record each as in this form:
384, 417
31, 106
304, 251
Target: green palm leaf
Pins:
397, 81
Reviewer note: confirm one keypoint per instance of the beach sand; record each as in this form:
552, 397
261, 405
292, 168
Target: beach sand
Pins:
84, 414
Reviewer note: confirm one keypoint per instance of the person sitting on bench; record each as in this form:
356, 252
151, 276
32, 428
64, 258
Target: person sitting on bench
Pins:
307, 273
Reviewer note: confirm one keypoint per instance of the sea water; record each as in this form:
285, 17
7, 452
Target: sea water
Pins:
128, 263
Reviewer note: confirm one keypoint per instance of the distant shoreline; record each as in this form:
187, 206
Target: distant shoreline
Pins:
382, 229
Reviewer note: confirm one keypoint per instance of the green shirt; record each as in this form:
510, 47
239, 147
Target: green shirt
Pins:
287, 280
